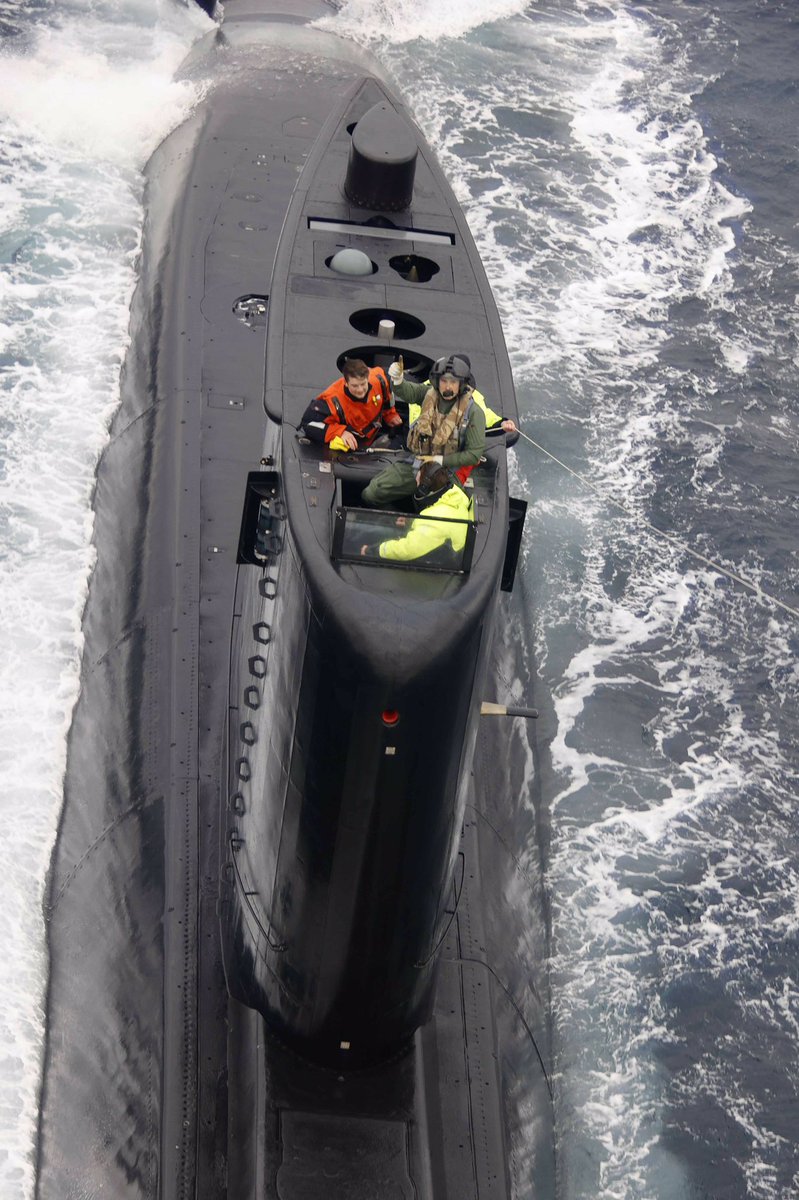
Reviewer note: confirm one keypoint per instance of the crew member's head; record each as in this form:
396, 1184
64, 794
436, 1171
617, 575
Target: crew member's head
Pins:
451, 376
431, 483
356, 377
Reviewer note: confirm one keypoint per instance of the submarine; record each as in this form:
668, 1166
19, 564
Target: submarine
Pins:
294, 948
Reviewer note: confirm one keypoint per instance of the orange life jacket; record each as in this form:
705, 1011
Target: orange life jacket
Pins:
361, 417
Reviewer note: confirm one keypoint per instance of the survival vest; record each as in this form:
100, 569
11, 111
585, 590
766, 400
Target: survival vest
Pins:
492, 418
434, 432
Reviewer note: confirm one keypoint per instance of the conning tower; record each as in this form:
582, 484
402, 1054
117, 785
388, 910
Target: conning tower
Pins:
354, 710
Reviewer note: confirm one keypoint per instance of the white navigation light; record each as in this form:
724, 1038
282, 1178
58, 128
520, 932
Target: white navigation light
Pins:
351, 262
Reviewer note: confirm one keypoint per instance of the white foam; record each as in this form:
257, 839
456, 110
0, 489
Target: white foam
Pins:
83, 107
585, 287
612, 932
84, 101
400, 21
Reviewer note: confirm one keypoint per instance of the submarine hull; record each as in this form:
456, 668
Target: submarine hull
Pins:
225, 723
344, 813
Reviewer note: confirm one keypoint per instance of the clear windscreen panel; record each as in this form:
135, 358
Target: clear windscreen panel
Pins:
391, 539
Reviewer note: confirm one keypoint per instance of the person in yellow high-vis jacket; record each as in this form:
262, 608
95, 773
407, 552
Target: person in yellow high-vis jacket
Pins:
440, 496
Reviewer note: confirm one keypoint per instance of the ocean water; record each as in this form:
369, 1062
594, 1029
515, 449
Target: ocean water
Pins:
86, 93
629, 172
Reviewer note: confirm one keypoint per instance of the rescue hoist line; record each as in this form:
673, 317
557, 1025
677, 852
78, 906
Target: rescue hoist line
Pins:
754, 588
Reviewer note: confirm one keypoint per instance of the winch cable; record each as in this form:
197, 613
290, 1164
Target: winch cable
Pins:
755, 589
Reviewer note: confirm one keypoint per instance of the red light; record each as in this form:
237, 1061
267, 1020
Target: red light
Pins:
389, 716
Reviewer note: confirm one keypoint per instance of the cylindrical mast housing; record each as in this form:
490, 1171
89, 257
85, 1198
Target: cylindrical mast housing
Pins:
382, 163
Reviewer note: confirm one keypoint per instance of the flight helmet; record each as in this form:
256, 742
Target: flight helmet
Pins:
456, 365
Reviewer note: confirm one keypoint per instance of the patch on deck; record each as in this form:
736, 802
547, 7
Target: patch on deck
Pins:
339, 1158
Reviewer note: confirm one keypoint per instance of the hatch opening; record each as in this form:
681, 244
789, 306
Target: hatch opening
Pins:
378, 537
261, 536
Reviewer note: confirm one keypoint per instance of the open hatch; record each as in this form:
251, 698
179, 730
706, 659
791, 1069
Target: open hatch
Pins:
396, 539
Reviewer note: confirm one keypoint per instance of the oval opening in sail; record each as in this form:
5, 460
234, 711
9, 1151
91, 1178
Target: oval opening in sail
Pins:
414, 268
406, 327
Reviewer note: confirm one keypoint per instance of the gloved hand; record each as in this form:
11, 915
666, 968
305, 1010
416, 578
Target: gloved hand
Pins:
396, 373
436, 458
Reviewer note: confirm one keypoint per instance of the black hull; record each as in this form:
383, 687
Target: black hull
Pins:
223, 706
354, 846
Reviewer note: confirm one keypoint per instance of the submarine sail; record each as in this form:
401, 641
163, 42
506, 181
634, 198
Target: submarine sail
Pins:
282, 955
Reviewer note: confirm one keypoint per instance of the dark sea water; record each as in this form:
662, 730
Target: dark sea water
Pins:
629, 171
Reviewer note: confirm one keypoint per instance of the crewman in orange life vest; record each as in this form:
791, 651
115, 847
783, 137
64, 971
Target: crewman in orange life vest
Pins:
349, 414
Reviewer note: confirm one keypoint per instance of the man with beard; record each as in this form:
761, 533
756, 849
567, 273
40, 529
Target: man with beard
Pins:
450, 430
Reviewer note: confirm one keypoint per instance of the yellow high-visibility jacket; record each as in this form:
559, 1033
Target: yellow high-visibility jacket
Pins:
424, 537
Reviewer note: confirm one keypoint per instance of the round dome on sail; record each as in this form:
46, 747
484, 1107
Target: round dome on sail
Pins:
351, 262
382, 162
